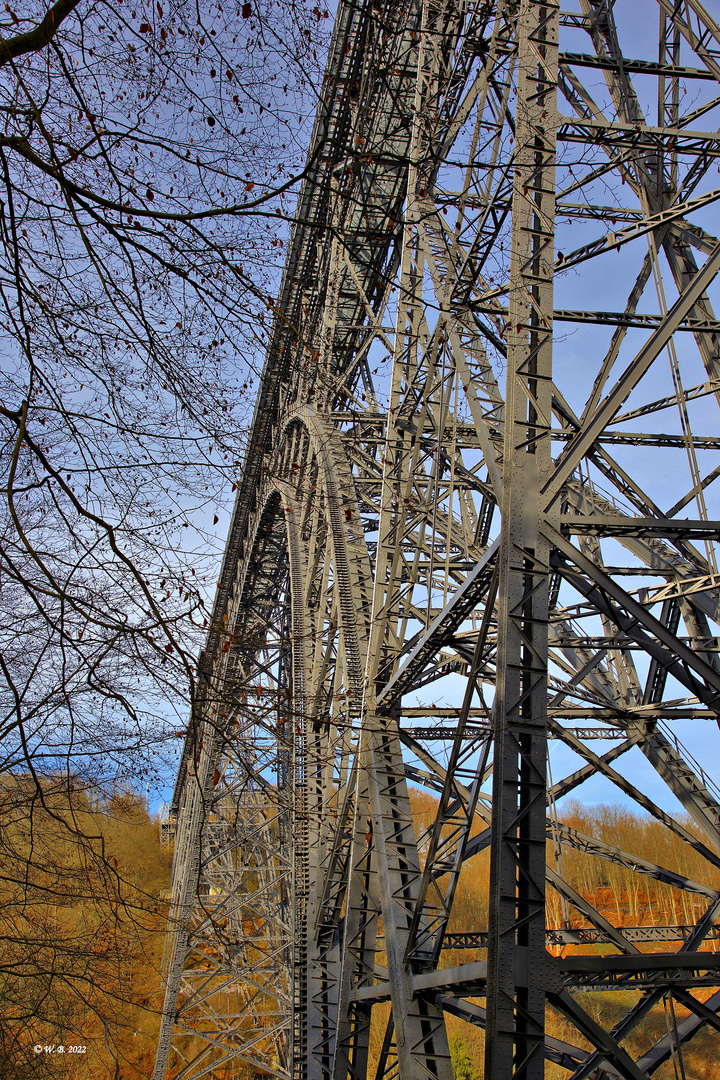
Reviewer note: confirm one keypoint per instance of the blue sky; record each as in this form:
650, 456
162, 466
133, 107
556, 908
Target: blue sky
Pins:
604, 284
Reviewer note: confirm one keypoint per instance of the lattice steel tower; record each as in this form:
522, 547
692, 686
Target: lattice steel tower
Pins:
457, 491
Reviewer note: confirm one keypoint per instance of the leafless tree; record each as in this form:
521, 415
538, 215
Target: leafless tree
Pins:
149, 154
149, 158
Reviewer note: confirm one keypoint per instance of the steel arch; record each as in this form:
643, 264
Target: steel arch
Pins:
447, 522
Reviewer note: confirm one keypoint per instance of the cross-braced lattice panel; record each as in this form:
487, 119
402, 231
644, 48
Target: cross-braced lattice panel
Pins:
491, 394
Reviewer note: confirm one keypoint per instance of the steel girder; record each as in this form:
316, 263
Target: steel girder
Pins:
450, 509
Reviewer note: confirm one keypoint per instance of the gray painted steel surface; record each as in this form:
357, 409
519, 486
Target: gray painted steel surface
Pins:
456, 537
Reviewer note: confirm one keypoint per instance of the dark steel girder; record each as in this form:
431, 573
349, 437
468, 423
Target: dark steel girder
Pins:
404, 407
633, 619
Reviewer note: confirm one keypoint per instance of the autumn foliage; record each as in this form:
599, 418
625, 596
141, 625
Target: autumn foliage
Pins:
623, 897
82, 916
83, 896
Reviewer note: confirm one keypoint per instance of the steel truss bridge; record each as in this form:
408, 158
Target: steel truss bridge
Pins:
473, 534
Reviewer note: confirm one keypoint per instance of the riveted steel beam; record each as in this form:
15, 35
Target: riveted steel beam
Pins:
432, 414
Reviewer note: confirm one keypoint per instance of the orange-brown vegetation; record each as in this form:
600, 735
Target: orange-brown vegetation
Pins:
623, 897
82, 916
82, 880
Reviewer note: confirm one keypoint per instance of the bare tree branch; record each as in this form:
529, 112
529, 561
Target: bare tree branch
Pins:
36, 39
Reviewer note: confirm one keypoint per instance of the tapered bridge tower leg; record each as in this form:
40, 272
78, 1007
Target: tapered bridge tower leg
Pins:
472, 575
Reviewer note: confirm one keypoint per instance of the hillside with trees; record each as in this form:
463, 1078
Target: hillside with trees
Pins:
149, 159
625, 898
82, 919
83, 905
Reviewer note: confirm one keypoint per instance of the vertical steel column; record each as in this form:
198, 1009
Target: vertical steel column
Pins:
668, 103
517, 956
420, 1038
359, 943
322, 961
